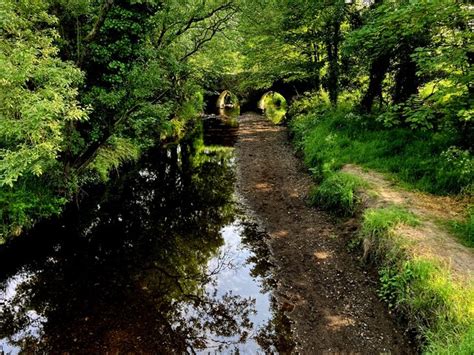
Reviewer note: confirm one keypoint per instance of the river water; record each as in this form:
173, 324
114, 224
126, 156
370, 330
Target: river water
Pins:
164, 259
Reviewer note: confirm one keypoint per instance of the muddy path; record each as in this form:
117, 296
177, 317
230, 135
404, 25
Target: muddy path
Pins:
324, 290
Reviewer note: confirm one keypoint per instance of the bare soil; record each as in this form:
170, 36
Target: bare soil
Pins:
329, 297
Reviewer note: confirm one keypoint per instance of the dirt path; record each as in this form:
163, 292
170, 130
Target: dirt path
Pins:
429, 239
329, 297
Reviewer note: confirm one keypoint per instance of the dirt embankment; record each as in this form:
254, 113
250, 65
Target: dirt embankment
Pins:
326, 293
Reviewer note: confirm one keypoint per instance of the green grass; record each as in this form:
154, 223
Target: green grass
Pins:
377, 224
337, 193
462, 345
330, 138
439, 308
378, 221
464, 230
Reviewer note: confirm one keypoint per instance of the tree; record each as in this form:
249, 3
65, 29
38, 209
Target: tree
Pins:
88, 85
38, 100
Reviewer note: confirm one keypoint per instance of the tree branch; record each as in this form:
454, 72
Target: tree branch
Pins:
104, 10
208, 35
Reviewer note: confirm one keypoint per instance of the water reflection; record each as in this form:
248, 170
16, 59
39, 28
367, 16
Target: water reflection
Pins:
154, 263
230, 114
219, 131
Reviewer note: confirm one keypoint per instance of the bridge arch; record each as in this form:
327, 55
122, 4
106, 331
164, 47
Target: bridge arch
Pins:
273, 105
271, 97
227, 99
228, 105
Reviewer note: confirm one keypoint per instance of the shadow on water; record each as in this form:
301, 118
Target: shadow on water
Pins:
221, 129
159, 261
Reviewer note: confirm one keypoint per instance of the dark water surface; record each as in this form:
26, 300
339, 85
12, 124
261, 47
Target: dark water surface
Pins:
163, 260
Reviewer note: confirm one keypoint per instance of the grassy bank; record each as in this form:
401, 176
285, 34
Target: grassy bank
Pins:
437, 303
422, 289
330, 138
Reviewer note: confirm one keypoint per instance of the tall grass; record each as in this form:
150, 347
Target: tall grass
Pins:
465, 230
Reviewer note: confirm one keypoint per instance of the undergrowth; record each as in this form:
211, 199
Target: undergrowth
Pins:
331, 137
464, 230
440, 308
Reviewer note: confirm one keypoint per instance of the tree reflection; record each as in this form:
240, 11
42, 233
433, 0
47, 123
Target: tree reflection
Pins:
276, 334
131, 273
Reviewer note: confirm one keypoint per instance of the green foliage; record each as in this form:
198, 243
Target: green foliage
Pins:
38, 106
430, 60
462, 344
378, 222
26, 203
456, 169
38, 94
298, 43
438, 307
113, 154
377, 228
88, 85
330, 138
337, 193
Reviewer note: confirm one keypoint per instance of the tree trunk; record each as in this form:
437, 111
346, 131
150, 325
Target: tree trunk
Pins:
378, 69
406, 80
333, 60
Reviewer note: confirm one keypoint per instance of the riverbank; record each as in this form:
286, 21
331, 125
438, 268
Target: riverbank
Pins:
329, 297
420, 242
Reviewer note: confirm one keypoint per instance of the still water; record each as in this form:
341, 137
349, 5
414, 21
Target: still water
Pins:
162, 260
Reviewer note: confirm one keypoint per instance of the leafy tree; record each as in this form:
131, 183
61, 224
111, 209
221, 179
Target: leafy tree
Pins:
38, 100
88, 85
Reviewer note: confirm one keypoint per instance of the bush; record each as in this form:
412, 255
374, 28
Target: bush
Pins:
331, 137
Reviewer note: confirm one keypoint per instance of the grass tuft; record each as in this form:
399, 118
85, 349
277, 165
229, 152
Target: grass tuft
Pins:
337, 193
464, 230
